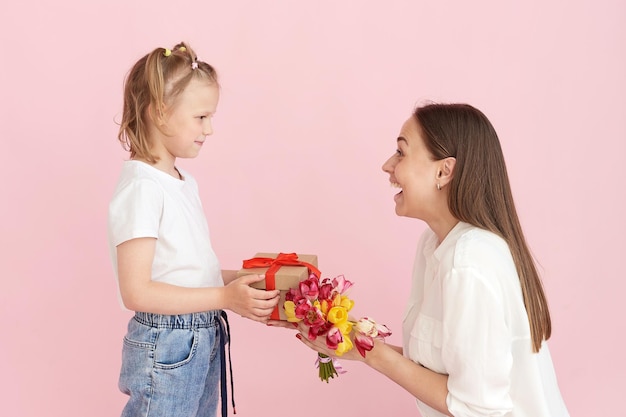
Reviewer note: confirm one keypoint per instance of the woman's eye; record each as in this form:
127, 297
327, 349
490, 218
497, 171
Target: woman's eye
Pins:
399, 152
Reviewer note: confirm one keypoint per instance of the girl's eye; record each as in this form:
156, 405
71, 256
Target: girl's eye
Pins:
399, 152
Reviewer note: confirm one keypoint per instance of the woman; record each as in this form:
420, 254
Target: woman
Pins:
477, 319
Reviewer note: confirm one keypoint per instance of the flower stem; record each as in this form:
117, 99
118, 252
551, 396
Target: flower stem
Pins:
326, 367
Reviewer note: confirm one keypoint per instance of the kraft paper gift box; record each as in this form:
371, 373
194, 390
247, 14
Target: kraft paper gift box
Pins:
285, 277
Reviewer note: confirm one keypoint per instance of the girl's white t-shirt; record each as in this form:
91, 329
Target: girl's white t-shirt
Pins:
150, 203
466, 318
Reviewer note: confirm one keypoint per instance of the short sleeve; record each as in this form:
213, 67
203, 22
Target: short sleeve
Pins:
135, 211
476, 345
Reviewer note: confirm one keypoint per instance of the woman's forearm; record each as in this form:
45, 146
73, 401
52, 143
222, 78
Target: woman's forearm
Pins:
427, 386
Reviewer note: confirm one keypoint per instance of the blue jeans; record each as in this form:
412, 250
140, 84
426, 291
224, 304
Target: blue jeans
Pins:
174, 365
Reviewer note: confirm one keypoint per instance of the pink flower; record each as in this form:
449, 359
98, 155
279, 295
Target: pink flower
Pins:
309, 288
326, 290
383, 331
333, 338
369, 327
363, 343
294, 295
366, 330
341, 284
321, 330
310, 315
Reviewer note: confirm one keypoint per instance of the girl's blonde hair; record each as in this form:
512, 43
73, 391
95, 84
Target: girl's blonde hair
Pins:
480, 193
156, 79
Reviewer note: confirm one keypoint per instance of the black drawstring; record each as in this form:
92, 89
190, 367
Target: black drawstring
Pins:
225, 339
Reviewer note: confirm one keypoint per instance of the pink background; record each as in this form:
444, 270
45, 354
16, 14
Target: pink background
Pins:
313, 96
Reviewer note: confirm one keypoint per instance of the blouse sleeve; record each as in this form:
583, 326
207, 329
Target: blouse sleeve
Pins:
476, 345
135, 211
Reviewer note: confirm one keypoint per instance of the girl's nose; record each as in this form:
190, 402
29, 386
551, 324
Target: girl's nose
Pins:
207, 127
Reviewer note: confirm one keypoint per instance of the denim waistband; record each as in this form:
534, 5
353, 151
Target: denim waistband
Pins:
206, 319
180, 321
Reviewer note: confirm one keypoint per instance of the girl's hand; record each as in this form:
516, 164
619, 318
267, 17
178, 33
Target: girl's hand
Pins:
249, 302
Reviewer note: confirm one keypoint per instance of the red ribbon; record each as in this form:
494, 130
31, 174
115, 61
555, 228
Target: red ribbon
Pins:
273, 265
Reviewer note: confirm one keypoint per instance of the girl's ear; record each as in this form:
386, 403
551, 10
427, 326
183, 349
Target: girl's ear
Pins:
157, 116
446, 170
159, 119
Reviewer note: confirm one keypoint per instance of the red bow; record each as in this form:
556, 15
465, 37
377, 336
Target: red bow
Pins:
273, 265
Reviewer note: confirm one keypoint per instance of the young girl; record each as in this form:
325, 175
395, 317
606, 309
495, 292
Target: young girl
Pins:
173, 358
477, 319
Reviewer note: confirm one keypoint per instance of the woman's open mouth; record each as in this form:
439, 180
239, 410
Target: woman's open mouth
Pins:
396, 185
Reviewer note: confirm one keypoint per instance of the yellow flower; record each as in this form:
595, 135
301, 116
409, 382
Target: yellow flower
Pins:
290, 312
337, 315
344, 346
346, 303
345, 327
324, 307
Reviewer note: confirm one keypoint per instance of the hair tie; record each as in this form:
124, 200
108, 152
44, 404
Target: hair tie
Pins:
194, 65
182, 49
167, 52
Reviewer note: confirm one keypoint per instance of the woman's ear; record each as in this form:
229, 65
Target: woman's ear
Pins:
446, 170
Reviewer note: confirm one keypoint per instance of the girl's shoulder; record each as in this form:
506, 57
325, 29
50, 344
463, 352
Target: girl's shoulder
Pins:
135, 173
188, 178
136, 184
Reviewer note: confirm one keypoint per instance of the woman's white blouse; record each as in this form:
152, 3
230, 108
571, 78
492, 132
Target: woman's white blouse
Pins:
466, 318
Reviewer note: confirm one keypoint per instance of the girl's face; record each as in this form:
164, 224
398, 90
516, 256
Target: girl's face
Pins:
414, 171
188, 121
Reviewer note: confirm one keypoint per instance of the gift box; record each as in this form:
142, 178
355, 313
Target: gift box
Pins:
283, 271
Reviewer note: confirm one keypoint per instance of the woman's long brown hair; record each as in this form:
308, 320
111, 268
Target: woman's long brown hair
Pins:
480, 193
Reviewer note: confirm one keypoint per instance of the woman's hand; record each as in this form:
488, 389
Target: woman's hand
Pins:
282, 323
319, 345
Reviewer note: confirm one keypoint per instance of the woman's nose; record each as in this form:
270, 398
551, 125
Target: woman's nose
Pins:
388, 165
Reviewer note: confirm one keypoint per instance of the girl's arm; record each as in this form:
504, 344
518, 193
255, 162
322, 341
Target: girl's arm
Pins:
424, 384
140, 293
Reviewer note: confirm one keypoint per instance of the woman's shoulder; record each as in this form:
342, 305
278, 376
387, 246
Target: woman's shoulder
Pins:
478, 246
475, 235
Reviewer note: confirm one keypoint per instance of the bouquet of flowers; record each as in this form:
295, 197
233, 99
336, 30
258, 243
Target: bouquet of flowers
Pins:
323, 306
